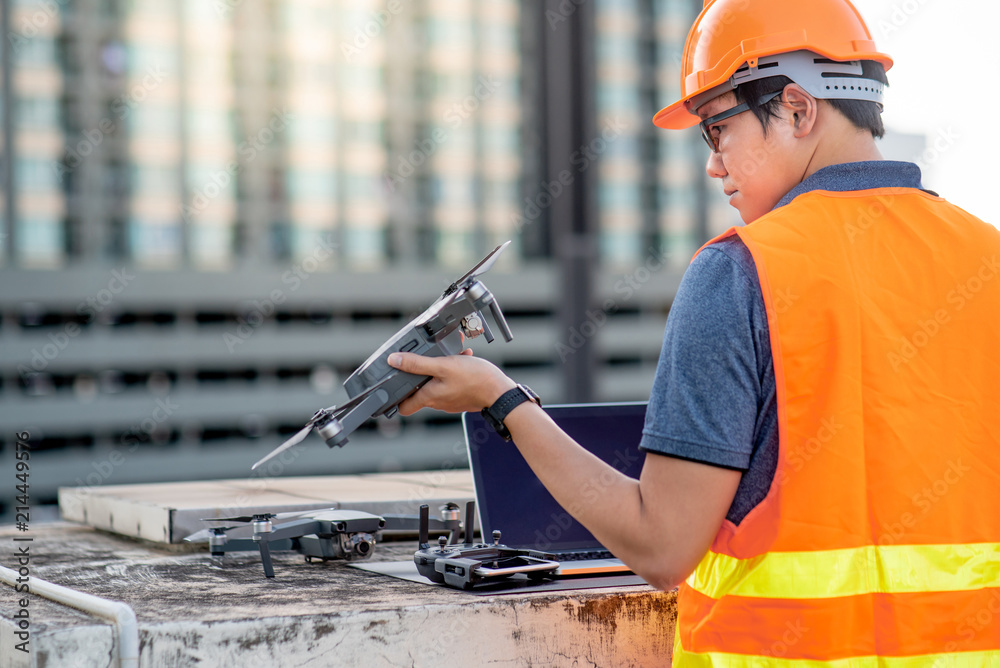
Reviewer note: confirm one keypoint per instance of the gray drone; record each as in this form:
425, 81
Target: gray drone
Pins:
325, 534
375, 388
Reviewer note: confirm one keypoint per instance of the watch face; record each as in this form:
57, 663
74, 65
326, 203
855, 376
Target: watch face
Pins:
531, 393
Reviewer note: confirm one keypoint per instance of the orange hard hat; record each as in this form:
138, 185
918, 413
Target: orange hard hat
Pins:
730, 34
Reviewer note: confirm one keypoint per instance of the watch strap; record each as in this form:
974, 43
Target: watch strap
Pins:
501, 408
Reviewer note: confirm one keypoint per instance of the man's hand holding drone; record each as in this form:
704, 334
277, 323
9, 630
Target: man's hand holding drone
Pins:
458, 382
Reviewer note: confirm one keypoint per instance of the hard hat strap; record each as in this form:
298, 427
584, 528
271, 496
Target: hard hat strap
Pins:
821, 77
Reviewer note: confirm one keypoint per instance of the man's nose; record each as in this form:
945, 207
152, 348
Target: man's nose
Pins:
714, 167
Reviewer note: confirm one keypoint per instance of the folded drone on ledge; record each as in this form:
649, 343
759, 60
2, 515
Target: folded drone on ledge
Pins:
323, 534
375, 388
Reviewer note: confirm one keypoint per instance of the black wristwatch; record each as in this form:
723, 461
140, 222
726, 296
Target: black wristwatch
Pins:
495, 414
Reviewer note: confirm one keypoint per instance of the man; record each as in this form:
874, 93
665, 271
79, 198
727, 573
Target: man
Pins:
825, 418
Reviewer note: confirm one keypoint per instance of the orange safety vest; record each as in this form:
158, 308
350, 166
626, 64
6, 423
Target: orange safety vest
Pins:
878, 543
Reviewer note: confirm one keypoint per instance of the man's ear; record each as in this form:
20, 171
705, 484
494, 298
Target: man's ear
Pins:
801, 109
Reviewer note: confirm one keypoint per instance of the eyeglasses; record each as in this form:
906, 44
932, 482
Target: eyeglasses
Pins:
706, 124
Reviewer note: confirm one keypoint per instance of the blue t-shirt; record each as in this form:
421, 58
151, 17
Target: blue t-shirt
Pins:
713, 399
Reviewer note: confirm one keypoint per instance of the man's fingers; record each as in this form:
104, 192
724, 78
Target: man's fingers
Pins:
412, 363
416, 401
408, 407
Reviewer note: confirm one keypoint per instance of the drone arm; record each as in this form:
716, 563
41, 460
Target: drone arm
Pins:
292, 529
354, 418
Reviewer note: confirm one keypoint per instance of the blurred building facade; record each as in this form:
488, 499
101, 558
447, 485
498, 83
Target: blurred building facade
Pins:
225, 205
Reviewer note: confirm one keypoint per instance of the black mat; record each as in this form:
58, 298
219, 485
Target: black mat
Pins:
407, 570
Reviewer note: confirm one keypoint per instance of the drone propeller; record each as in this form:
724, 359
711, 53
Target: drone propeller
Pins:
484, 266
240, 518
322, 416
205, 534
265, 516
299, 436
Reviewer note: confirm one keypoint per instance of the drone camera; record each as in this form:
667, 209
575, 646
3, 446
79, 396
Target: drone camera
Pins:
473, 326
363, 548
355, 545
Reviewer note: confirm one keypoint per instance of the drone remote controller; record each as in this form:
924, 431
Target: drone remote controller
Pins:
468, 564
375, 388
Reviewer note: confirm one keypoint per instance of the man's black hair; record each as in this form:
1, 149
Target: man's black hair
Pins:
863, 114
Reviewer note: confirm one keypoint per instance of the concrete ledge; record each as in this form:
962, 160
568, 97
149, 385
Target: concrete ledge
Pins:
60, 646
192, 610
613, 628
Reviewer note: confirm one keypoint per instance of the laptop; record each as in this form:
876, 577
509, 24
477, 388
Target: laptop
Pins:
511, 499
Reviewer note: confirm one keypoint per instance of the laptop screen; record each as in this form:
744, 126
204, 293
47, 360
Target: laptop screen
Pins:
509, 496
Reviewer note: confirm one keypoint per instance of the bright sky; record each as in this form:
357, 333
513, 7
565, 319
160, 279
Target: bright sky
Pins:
943, 85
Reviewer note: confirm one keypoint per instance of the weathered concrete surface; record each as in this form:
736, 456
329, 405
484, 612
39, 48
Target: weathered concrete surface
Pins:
194, 612
167, 512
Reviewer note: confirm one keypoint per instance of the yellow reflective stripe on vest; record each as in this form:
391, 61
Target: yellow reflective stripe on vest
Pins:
682, 659
890, 569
